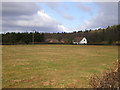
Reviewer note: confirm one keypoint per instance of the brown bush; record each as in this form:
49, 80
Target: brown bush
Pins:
108, 79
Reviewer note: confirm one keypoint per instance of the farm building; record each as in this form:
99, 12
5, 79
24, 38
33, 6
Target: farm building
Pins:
52, 40
80, 40
62, 41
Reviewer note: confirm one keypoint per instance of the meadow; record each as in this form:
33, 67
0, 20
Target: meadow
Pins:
54, 66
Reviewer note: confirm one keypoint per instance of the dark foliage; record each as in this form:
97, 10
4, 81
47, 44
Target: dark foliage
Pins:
21, 38
108, 36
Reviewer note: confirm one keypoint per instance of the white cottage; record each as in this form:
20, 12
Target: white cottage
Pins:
80, 40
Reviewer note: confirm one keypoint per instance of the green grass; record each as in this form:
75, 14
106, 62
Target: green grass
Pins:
56, 66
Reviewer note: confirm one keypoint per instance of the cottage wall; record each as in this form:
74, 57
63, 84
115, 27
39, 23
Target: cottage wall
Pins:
83, 41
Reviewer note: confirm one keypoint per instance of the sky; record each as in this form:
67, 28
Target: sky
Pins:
57, 16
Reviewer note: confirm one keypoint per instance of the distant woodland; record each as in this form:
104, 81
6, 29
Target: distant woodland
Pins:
106, 36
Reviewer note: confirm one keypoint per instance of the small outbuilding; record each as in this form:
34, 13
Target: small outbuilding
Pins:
80, 40
52, 41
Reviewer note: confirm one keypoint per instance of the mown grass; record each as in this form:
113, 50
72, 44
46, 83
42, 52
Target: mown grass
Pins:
54, 66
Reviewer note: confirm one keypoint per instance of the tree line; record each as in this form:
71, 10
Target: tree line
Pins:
22, 38
109, 35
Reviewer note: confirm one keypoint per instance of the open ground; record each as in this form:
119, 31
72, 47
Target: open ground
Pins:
54, 66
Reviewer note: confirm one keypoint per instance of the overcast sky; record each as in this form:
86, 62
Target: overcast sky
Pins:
57, 16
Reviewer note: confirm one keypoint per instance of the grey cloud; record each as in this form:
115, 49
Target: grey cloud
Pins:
106, 16
12, 26
55, 6
30, 28
18, 8
24, 17
84, 7
119, 12
68, 17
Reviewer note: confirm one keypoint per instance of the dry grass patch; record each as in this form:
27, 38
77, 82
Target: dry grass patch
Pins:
54, 66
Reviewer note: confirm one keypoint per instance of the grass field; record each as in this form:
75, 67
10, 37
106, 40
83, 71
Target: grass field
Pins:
54, 66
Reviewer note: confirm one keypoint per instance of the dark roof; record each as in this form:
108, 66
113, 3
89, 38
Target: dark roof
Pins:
77, 39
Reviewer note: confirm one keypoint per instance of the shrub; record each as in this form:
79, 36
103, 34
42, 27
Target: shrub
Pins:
108, 79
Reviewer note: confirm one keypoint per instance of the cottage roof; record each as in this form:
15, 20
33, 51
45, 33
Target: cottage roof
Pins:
78, 39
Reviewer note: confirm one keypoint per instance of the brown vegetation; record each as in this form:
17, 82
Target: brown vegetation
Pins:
109, 79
